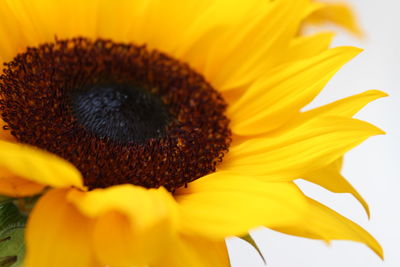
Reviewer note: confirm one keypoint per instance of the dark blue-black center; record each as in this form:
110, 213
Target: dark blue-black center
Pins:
124, 113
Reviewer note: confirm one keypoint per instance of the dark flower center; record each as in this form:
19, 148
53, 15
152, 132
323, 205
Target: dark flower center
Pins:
119, 112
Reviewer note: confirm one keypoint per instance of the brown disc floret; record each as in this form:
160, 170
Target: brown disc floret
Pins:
119, 112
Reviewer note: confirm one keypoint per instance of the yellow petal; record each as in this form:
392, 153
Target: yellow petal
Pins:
308, 46
279, 95
38, 166
164, 25
212, 253
143, 222
221, 205
42, 20
340, 14
196, 252
324, 223
57, 234
346, 107
296, 151
330, 178
10, 33
14, 186
238, 57
178, 24
115, 245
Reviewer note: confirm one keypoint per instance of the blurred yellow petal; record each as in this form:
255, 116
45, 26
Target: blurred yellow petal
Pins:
11, 36
292, 153
308, 46
340, 14
239, 57
279, 95
117, 244
143, 223
330, 178
38, 166
196, 252
222, 204
213, 20
57, 234
14, 186
150, 205
324, 223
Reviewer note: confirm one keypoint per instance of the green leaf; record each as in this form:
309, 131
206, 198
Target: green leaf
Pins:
9, 214
251, 241
8, 261
12, 227
5, 199
12, 248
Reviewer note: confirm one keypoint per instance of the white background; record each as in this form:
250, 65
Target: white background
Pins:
373, 168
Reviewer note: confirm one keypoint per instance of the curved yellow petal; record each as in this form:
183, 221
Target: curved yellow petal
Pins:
150, 205
308, 46
222, 204
279, 95
294, 152
331, 179
143, 221
324, 223
57, 234
346, 107
14, 186
38, 166
340, 14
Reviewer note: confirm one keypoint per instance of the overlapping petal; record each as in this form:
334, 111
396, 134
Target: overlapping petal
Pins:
143, 223
196, 251
238, 58
338, 13
295, 151
14, 186
223, 204
57, 234
346, 107
324, 223
305, 47
280, 94
38, 166
331, 179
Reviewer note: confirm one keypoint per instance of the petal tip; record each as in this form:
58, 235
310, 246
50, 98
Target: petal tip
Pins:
377, 93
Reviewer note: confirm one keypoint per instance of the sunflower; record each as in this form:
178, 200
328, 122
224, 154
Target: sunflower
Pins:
340, 14
152, 130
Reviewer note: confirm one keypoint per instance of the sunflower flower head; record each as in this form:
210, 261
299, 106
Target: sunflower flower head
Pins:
143, 133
